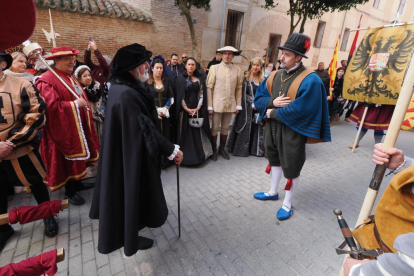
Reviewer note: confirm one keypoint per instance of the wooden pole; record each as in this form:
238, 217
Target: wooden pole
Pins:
60, 255
360, 128
178, 200
4, 218
389, 142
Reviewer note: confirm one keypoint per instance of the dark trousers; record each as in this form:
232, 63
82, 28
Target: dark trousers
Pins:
9, 178
39, 191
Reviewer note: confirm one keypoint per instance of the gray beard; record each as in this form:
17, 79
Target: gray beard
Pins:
139, 77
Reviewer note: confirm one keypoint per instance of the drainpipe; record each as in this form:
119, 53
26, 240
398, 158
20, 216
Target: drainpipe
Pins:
222, 23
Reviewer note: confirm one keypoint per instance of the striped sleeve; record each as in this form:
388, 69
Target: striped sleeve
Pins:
32, 117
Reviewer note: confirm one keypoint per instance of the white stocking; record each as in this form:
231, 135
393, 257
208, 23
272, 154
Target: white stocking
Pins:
287, 203
276, 175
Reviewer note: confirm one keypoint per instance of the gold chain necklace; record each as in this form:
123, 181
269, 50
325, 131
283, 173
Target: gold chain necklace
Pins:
285, 80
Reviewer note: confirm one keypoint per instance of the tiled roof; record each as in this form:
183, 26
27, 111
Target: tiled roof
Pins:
99, 7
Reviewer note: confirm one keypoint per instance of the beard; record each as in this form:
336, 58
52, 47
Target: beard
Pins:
140, 77
282, 66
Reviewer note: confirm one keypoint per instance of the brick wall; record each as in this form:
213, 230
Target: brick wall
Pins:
169, 32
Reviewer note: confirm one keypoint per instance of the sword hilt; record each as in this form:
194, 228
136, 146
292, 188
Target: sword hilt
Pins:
346, 232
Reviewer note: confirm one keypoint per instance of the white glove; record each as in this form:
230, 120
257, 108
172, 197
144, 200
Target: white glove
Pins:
163, 112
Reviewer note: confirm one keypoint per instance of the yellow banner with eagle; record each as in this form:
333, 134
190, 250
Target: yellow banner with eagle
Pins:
377, 69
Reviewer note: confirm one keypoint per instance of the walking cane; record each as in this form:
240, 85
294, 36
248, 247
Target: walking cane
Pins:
389, 142
178, 200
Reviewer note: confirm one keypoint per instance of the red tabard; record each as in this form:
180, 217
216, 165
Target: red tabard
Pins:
69, 143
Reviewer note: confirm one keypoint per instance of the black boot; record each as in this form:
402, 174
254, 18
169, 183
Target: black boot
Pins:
214, 156
51, 227
5, 235
144, 243
222, 151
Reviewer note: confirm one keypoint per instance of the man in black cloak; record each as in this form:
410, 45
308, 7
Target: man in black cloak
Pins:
128, 192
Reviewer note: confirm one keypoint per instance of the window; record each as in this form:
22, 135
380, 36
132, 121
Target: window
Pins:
319, 34
272, 51
401, 7
345, 40
376, 3
234, 28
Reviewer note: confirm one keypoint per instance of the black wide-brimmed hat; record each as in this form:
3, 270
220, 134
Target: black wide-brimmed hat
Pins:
7, 58
129, 57
297, 43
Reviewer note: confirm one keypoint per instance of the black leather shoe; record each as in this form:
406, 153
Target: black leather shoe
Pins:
4, 236
51, 227
144, 243
76, 200
223, 152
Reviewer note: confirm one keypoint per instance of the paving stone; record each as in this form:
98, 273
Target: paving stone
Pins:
75, 265
75, 247
22, 246
115, 261
88, 252
225, 231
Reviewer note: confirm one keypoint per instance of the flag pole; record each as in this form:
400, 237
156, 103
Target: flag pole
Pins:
360, 128
389, 142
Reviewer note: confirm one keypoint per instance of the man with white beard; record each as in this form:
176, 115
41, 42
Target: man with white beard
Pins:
128, 192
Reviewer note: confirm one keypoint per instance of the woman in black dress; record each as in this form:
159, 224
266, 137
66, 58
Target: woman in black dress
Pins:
335, 103
247, 135
191, 98
160, 87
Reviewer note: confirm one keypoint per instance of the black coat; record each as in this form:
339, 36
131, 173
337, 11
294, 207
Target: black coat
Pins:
128, 192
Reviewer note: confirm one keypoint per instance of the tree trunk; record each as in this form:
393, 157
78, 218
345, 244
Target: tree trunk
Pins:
293, 8
187, 14
292, 26
302, 25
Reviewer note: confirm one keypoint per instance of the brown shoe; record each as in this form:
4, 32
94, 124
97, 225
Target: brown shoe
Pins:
347, 120
351, 146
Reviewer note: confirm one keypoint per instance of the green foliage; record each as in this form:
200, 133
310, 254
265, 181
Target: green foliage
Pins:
312, 9
198, 4
316, 8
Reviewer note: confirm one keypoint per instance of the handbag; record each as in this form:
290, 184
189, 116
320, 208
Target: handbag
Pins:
196, 122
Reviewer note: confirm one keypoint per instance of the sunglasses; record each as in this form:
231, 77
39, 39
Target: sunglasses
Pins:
184, 57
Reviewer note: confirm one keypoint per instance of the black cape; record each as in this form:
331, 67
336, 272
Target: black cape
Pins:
128, 192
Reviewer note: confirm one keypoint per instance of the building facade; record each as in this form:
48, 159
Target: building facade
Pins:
244, 24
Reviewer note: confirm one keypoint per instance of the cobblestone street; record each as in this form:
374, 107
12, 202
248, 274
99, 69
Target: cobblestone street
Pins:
225, 231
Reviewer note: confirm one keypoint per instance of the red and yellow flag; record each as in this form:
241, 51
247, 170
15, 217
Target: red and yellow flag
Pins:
408, 122
333, 65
